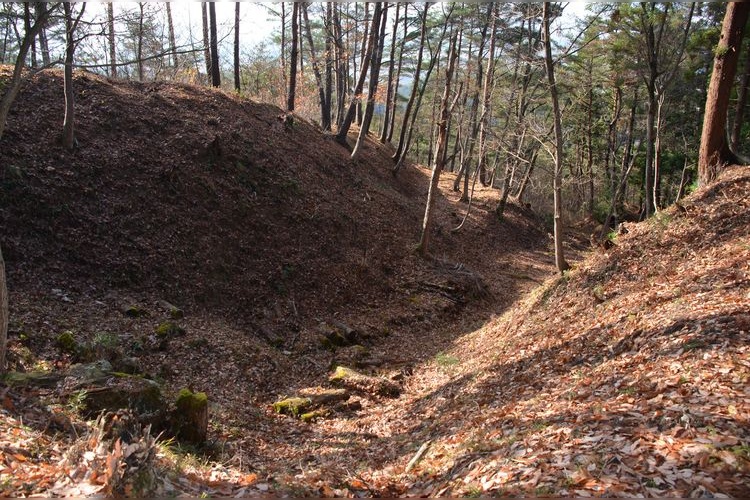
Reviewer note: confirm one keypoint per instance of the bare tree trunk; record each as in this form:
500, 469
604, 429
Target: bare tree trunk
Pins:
237, 80
392, 85
415, 88
341, 67
215, 69
111, 38
560, 262
68, 137
714, 150
27, 28
139, 50
739, 110
11, 89
351, 111
487, 95
379, 18
170, 30
207, 39
293, 59
316, 71
40, 7
328, 69
442, 143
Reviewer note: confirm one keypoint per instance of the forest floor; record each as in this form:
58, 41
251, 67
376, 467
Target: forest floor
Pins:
626, 376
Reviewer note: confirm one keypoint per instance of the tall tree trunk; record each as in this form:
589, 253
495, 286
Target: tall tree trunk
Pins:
215, 69
714, 151
391, 88
40, 7
487, 95
293, 59
351, 111
27, 28
442, 143
341, 66
68, 137
560, 262
414, 90
172, 41
207, 39
139, 50
377, 38
324, 112
739, 110
237, 80
11, 89
394, 97
327, 116
111, 38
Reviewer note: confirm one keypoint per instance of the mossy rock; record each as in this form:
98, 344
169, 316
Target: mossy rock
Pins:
191, 416
134, 311
123, 391
312, 416
375, 386
169, 329
67, 342
31, 379
295, 406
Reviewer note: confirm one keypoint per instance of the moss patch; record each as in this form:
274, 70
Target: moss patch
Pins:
67, 342
169, 329
188, 400
292, 406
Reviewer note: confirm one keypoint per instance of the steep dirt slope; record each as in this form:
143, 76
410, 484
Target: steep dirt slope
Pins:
263, 233
626, 377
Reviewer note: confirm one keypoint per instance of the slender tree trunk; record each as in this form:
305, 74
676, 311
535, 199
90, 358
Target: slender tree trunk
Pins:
215, 69
172, 41
293, 59
442, 143
351, 111
40, 7
139, 50
394, 99
487, 95
207, 40
111, 38
414, 90
327, 116
391, 83
739, 110
27, 28
11, 89
714, 151
341, 67
379, 18
324, 112
560, 262
68, 137
237, 79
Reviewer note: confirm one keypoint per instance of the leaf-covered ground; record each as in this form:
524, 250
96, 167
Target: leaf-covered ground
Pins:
627, 376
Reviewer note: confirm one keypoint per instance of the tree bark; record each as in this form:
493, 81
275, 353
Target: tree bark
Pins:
40, 7
12, 88
560, 262
294, 55
324, 112
714, 151
172, 41
392, 85
215, 69
377, 37
739, 110
351, 111
237, 80
442, 143
111, 38
207, 39
327, 117
414, 89
68, 137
